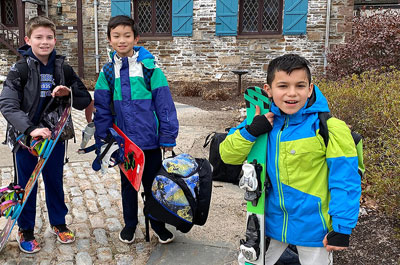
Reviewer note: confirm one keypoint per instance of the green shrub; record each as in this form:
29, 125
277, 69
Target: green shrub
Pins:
370, 103
374, 43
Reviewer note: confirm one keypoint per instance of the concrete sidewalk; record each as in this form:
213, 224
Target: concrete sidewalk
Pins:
95, 210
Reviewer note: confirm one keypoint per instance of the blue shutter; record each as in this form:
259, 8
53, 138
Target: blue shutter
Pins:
295, 17
120, 7
227, 17
182, 17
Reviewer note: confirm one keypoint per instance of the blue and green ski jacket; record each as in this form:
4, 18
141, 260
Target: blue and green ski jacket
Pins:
147, 117
314, 188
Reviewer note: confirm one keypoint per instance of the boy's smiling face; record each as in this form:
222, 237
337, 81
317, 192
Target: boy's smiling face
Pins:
42, 42
122, 40
290, 92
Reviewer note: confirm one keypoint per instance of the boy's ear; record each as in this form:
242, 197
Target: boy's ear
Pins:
267, 89
27, 40
310, 89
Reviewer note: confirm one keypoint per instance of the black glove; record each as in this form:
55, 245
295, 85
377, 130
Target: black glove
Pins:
338, 239
260, 125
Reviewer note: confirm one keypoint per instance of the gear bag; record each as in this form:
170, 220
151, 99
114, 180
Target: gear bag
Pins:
221, 171
180, 193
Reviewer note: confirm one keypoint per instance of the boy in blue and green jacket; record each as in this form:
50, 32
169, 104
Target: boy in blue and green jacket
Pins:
146, 115
314, 199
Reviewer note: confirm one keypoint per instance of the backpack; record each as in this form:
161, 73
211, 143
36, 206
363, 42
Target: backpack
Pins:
221, 171
180, 193
323, 131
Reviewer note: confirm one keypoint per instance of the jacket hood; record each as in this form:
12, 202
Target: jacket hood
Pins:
315, 103
26, 50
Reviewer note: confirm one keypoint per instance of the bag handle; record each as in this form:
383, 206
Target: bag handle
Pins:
208, 139
163, 154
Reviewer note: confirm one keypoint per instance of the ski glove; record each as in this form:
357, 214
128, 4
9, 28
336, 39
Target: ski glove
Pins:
338, 239
260, 125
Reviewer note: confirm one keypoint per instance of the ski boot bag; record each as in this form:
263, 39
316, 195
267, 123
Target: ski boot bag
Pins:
181, 192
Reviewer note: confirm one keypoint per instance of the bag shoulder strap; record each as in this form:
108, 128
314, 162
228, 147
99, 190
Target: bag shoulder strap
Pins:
22, 67
323, 125
68, 71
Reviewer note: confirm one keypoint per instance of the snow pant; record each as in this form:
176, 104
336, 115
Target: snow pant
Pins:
130, 195
307, 255
53, 183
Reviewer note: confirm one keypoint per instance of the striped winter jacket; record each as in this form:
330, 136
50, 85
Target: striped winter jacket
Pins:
314, 188
148, 118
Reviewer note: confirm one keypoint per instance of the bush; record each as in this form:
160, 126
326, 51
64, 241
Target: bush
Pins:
370, 103
374, 43
216, 94
191, 89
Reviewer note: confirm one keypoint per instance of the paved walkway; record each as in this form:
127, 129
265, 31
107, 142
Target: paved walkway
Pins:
95, 211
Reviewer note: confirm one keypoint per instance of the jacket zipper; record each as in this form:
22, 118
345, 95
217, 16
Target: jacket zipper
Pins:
322, 217
279, 183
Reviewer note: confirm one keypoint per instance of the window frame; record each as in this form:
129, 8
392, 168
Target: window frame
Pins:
259, 22
3, 14
153, 34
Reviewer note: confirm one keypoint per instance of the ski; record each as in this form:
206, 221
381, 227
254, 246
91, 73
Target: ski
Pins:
14, 211
255, 183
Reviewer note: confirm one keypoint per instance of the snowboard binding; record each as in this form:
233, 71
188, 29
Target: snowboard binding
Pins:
251, 247
250, 181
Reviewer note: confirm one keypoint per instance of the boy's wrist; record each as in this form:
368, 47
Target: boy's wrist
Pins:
30, 129
260, 125
338, 239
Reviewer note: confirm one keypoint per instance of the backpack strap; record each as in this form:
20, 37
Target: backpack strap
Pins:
22, 67
323, 125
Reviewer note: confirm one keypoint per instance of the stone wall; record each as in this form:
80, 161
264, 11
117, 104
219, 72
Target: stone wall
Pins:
202, 56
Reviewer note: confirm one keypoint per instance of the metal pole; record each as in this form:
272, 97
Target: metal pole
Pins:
328, 18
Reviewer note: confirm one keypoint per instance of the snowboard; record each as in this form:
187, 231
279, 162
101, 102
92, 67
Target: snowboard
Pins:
254, 247
14, 211
133, 164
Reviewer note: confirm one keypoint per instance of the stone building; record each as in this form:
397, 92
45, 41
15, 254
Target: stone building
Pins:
194, 40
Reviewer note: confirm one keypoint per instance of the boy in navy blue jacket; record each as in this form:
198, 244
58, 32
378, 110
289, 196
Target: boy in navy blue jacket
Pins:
147, 115
22, 105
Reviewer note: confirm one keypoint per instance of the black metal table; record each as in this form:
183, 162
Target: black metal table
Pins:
239, 73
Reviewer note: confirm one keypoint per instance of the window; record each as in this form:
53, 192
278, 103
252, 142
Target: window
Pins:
260, 17
9, 13
154, 17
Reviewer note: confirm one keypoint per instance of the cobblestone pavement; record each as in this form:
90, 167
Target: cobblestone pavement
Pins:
95, 208
94, 204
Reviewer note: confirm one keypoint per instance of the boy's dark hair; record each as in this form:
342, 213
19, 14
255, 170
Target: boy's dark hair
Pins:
121, 20
287, 63
39, 21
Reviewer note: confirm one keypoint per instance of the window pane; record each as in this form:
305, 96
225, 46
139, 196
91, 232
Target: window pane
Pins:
9, 12
162, 16
144, 15
250, 15
271, 15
